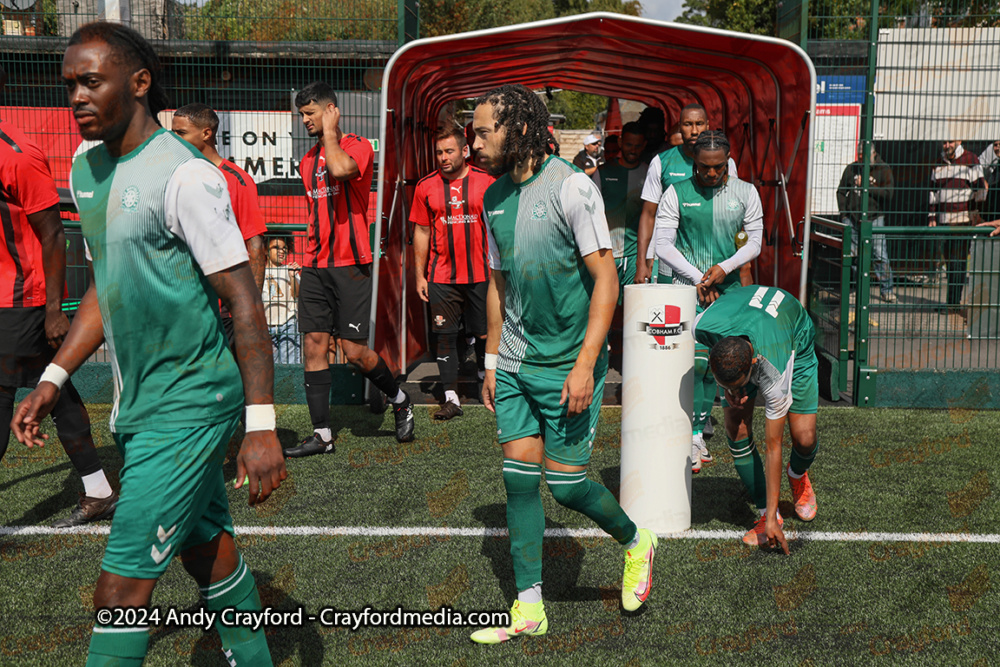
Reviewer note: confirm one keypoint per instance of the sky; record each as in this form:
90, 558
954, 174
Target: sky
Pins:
662, 10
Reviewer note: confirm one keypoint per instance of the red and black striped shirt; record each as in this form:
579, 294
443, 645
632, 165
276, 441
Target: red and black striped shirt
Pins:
338, 210
454, 212
243, 197
26, 187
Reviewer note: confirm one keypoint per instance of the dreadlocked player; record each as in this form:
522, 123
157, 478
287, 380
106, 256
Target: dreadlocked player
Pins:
697, 223
553, 291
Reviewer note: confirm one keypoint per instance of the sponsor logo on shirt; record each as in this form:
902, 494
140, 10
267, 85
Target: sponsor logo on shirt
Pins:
130, 198
540, 211
80, 194
472, 218
325, 191
691, 204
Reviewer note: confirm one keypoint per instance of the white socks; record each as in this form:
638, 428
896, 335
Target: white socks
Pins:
634, 542
793, 475
325, 434
450, 396
531, 596
95, 485
400, 397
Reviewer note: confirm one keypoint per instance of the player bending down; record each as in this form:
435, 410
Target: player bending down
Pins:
163, 247
553, 291
762, 339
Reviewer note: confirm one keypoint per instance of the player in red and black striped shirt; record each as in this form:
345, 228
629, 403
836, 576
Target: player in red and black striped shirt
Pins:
32, 324
335, 289
198, 124
448, 213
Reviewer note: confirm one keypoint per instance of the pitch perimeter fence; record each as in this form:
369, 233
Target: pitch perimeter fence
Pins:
909, 318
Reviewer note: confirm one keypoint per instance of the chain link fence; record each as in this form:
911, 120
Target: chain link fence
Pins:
906, 155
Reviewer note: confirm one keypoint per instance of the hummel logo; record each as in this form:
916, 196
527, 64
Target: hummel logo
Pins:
444, 359
84, 195
588, 193
356, 327
674, 173
163, 536
690, 204
216, 191
157, 555
500, 212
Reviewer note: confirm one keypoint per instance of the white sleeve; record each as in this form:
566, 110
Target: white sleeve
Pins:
198, 212
491, 245
668, 216
652, 189
775, 386
753, 224
732, 168
584, 210
672, 257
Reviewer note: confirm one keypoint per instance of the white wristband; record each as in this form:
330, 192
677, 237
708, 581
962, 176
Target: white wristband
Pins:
260, 418
57, 375
490, 362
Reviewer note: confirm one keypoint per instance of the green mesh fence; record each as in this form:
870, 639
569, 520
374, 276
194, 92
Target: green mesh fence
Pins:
246, 59
916, 83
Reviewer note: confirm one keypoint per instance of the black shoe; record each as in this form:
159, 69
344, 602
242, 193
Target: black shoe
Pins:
310, 446
404, 419
89, 509
448, 410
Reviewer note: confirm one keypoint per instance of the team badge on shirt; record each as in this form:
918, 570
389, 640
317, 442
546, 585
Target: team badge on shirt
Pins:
130, 198
733, 204
540, 212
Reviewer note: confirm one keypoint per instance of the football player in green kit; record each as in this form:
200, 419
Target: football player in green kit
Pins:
697, 224
762, 343
552, 293
163, 246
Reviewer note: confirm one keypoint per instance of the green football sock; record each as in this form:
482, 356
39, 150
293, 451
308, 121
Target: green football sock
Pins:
117, 647
525, 520
800, 463
750, 468
242, 645
575, 491
704, 389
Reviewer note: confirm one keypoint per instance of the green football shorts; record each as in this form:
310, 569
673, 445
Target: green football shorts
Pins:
173, 497
626, 274
527, 404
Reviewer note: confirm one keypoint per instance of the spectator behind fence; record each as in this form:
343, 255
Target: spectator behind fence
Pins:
957, 184
280, 294
989, 160
849, 201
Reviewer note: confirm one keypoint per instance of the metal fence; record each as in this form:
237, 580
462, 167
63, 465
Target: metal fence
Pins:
907, 136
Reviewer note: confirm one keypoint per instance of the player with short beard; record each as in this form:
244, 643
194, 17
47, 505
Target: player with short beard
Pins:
448, 224
163, 246
335, 286
552, 294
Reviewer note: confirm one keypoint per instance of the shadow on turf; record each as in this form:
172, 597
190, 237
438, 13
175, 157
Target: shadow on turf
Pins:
59, 504
304, 641
562, 559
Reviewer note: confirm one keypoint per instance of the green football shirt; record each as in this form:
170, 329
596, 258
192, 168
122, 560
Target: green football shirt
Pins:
155, 222
539, 231
702, 223
621, 190
778, 327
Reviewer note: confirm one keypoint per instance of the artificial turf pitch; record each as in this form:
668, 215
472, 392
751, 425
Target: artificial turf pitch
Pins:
855, 596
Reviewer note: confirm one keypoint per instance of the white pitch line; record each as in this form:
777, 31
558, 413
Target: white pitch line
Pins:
434, 531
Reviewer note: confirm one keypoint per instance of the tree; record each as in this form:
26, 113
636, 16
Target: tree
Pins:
751, 16
579, 108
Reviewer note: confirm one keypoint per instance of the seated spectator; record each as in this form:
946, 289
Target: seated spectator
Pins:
280, 296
